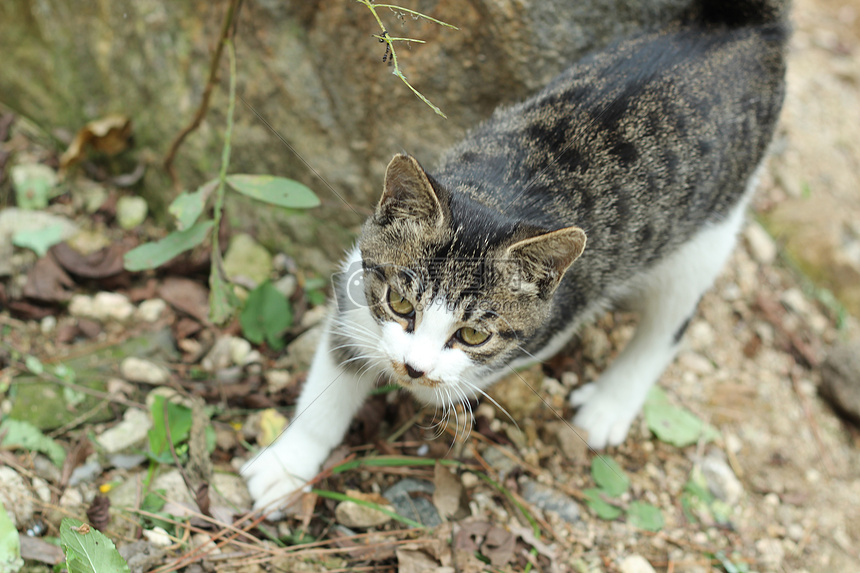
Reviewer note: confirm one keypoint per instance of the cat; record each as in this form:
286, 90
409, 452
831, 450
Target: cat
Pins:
623, 182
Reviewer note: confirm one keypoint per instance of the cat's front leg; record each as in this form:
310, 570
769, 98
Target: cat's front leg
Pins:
328, 401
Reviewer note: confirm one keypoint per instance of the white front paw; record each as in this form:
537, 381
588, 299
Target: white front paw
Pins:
605, 415
274, 482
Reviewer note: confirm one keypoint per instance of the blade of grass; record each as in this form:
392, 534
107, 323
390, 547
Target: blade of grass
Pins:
392, 462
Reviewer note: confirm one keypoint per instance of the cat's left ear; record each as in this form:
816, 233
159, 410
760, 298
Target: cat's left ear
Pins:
545, 258
408, 194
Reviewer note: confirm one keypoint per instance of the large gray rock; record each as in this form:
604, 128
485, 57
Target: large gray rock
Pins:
311, 69
840, 379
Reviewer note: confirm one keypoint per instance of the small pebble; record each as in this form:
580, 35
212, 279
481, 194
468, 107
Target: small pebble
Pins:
635, 564
150, 310
761, 245
157, 536
48, 324
139, 370
469, 480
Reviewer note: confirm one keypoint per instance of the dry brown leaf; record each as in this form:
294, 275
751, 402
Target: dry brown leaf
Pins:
110, 134
103, 263
186, 296
414, 561
48, 282
37, 549
448, 491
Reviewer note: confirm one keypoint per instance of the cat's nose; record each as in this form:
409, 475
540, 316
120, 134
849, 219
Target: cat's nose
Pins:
413, 373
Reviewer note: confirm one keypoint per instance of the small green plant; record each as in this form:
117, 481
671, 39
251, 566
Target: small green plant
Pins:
88, 550
267, 314
612, 483
187, 209
171, 426
672, 424
699, 504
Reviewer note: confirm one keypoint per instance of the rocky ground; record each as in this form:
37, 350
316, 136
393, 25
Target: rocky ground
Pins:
776, 488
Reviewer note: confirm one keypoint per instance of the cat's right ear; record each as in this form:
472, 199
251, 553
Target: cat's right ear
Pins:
408, 194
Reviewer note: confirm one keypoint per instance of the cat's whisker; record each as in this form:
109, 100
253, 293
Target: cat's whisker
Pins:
492, 401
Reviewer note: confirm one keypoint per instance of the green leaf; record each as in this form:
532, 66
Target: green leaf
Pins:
26, 436
152, 502
153, 255
672, 424
267, 314
34, 185
223, 301
179, 420
275, 190
603, 509
698, 487
39, 240
88, 550
10, 544
34, 365
187, 207
645, 516
609, 476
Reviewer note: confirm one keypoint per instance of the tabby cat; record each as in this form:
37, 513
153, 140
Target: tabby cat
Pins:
623, 182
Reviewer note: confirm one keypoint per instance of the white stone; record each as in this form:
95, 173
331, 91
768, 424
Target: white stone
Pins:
733, 442
277, 380
794, 299
48, 324
42, 489
218, 358
81, 305
721, 480
761, 245
469, 480
112, 306
635, 564
701, 335
157, 536
131, 211
239, 350
771, 552
15, 496
140, 370
130, 431
150, 310
287, 285
71, 499
353, 515
102, 307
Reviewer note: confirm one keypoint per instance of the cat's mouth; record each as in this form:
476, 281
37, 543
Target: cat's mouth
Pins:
401, 375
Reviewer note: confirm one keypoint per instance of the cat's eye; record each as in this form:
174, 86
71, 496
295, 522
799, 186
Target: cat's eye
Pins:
472, 337
399, 304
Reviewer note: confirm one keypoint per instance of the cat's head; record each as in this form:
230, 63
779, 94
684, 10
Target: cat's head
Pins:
454, 286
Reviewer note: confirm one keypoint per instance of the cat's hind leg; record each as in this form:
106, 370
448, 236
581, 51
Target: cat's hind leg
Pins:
666, 298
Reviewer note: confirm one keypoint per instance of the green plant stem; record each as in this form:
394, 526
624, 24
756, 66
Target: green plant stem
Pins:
385, 37
222, 300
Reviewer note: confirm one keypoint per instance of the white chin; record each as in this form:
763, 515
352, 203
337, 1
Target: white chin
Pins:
432, 396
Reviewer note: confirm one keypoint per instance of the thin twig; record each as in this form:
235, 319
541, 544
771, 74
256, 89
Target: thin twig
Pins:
389, 41
226, 24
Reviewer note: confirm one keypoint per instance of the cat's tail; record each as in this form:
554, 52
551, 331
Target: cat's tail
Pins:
742, 12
